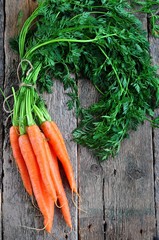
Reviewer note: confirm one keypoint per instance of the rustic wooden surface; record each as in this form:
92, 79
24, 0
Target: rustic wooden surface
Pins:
1, 100
154, 49
119, 198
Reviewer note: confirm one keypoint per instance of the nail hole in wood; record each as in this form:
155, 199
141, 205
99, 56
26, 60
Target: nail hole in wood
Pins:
114, 172
66, 236
141, 231
89, 226
10, 161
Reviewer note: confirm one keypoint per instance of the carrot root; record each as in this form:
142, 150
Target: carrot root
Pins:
55, 174
37, 143
59, 149
35, 176
14, 140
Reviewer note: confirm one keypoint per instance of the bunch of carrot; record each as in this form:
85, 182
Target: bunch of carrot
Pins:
37, 145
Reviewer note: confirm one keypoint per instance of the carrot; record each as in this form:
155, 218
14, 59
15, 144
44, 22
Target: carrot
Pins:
34, 173
37, 143
61, 194
55, 174
59, 150
54, 125
14, 136
48, 221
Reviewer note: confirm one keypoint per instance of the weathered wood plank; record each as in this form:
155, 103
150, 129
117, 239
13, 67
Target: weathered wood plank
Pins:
90, 181
129, 189
18, 211
154, 49
1, 100
129, 186
23, 213
66, 120
118, 194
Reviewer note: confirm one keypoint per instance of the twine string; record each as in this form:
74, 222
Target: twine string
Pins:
27, 85
6, 121
4, 102
20, 84
19, 65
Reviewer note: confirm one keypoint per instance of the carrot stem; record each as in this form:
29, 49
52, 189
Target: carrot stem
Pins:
16, 108
39, 114
22, 119
45, 113
30, 120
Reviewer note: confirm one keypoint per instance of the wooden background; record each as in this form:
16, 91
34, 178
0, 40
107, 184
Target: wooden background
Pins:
120, 197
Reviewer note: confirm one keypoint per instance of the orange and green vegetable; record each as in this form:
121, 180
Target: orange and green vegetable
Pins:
102, 41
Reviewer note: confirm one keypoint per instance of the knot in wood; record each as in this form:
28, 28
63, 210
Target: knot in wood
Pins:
134, 172
96, 169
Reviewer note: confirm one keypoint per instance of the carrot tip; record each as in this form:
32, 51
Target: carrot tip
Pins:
37, 229
78, 195
32, 201
58, 205
71, 229
76, 204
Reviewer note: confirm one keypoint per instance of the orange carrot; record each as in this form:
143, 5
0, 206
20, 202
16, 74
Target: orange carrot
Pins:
37, 143
14, 136
34, 173
55, 173
61, 194
54, 125
59, 150
48, 221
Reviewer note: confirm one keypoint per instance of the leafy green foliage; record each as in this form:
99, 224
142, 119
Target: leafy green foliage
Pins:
103, 42
151, 8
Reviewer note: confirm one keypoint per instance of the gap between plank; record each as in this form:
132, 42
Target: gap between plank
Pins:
153, 143
154, 178
78, 187
104, 220
3, 131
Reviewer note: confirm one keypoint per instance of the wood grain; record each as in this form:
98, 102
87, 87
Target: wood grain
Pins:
66, 121
129, 186
18, 211
118, 194
91, 225
129, 189
119, 198
154, 50
1, 101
